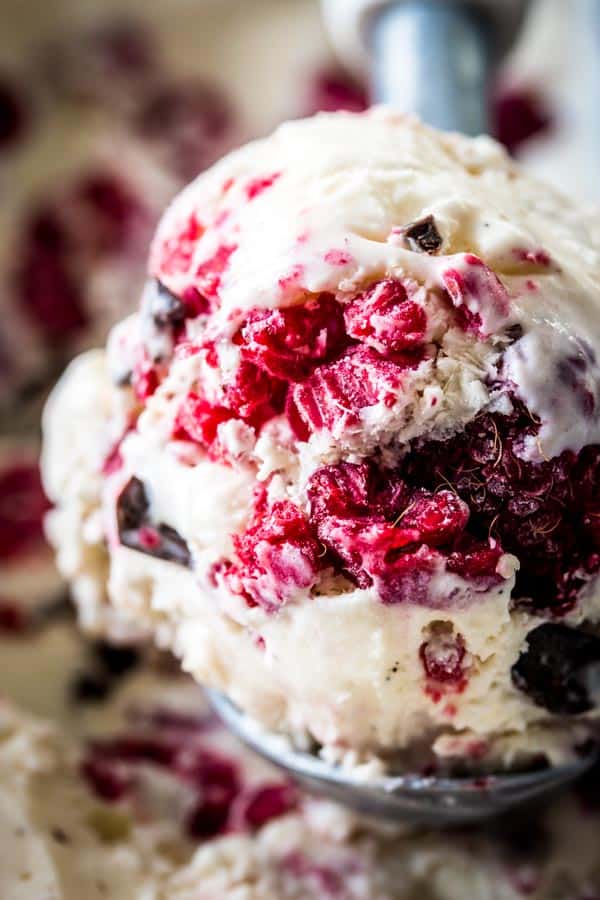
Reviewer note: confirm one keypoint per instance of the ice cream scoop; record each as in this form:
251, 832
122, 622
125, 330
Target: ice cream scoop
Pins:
344, 460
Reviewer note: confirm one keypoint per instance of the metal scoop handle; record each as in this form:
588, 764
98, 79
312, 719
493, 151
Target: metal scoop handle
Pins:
434, 59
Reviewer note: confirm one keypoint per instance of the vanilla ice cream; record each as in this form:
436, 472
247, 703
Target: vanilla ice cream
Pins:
142, 794
343, 461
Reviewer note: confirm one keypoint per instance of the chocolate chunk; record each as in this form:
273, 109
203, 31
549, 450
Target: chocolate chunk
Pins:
514, 332
556, 668
422, 236
132, 506
173, 548
116, 660
138, 532
90, 687
167, 310
59, 835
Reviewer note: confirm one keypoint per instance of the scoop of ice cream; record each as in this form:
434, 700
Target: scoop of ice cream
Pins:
344, 459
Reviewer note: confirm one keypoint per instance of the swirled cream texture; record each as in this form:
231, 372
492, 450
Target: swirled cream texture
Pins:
344, 460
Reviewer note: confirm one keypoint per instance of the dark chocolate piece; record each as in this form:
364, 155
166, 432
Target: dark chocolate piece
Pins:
422, 236
555, 669
138, 532
167, 310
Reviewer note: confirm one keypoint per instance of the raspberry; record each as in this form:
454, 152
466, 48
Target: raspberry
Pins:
13, 618
256, 186
113, 213
553, 670
333, 396
334, 89
279, 554
188, 122
385, 319
379, 531
519, 114
475, 560
443, 656
255, 807
198, 420
289, 343
342, 490
144, 380
122, 48
211, 780
50, 294
173, 255
438, 519
476, 292
542, 512
22, 508
210, 271
253, 395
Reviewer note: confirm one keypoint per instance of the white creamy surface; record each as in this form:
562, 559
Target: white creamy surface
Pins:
344, 182
294, 856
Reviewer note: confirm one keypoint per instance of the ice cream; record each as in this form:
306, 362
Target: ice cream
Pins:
344, 459
96, 795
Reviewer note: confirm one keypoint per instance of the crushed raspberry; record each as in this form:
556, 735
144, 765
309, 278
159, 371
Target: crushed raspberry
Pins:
173, 256
198, 420
13, 618
257, 185
385, 318
519, 114
381, 531
50, 294
113, 213
123, 48
290, 342
144, 380
544, 513
196, 304
476, 560
209, 272
254, 395
188, 123
442, 657
292, 279
279, 555
477, 293
105, 778
536, 257
22, 508
211, 780
113, 459
255, 807
334, 89
338, 258
14, 115
333, 396
438, 519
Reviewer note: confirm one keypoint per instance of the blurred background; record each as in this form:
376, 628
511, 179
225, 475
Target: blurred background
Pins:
107, 108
